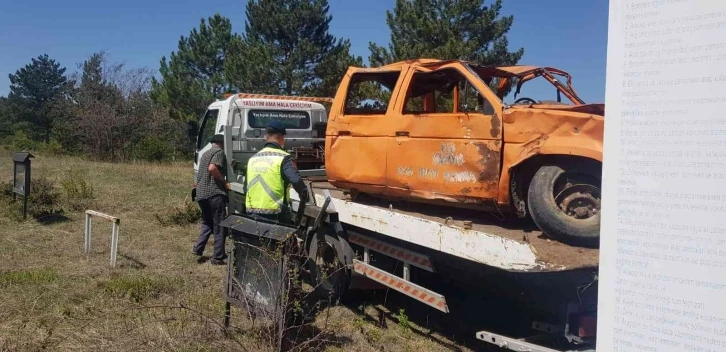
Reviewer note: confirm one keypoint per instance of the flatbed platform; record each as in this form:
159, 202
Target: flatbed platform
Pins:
490, 239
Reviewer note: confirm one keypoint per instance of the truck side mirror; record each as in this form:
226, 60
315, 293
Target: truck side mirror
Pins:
192, 128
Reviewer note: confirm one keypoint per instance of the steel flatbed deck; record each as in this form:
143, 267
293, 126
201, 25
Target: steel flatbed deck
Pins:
481, 237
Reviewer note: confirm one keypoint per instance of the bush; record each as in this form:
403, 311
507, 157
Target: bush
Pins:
78, 191
43, 200
6, 191
53, 147
152, 149
180, 216
21, 142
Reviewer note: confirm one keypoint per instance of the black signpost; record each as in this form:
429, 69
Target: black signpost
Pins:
21, 178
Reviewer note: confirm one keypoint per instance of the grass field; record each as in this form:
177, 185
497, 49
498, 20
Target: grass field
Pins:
158, 298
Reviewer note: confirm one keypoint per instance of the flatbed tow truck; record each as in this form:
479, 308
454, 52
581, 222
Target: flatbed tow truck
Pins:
439, 256
400, 247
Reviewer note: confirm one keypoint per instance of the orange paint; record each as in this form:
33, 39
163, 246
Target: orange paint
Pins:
438, 133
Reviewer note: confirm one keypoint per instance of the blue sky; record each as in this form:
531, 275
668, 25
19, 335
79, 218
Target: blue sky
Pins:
567, 34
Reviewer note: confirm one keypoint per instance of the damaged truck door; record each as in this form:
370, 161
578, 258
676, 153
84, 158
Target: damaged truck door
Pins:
446, 140
357, 129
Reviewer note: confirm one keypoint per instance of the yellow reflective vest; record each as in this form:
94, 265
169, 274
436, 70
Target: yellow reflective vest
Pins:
266, 190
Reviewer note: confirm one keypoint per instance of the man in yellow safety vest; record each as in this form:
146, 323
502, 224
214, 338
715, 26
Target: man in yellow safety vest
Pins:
270, 173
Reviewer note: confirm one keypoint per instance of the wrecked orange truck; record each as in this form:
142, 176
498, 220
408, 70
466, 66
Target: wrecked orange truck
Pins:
439, 132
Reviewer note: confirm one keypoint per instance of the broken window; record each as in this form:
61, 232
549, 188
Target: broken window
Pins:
514, 84
539, 89
370, 93
444, 91
471, 101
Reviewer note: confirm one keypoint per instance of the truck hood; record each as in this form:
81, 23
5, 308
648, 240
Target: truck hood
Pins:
595, 109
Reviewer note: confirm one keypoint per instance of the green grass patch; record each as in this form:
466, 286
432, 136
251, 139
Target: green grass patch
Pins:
28, 277
187, 214
138, 287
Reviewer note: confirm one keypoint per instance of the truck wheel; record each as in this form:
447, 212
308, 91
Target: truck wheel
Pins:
328, 274
564, 202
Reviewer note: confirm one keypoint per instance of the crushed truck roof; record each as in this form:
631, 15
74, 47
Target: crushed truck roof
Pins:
507, 75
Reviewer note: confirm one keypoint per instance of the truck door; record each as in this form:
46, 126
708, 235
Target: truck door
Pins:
358, 129
207, 129
448, 135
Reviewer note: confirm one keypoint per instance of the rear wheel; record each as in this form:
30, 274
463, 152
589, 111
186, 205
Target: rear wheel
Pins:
565, 203
328, 274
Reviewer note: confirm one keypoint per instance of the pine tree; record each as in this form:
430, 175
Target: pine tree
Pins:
35, 90
193, 76
6, 118
447, 29
287, 49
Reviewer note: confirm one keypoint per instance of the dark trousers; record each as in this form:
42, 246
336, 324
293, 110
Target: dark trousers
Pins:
214, 210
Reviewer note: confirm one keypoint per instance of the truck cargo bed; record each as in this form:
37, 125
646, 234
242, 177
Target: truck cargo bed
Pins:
514, 245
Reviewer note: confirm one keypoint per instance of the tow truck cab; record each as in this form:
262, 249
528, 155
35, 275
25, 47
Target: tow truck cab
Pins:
241, 118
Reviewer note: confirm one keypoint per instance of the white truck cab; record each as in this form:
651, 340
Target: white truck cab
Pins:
241, 118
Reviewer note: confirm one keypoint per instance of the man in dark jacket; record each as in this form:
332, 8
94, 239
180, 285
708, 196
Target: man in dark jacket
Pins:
270, 172
211, 194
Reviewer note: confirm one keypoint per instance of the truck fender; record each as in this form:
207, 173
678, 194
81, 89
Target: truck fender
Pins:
554, 146
520, 153
559, 149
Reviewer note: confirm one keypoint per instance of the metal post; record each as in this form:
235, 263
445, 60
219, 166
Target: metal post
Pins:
406, 271
366, 255
27, 189
114, 242
87, 236
90, 232
227, 304
25, 207
15, 175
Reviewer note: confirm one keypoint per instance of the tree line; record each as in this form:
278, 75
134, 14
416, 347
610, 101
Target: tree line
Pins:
108, 111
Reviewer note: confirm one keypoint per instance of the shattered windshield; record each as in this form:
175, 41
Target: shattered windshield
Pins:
536, 88
540, 90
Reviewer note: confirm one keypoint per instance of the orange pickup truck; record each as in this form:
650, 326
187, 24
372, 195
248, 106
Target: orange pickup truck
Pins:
439, 132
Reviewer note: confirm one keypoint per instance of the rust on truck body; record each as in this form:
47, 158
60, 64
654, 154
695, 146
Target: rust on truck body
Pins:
433, 130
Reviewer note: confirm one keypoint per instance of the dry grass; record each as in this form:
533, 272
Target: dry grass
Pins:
158, 298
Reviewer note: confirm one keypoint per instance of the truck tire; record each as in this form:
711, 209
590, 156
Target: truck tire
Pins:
328, 274
564, 202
